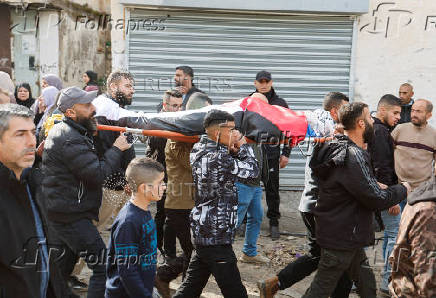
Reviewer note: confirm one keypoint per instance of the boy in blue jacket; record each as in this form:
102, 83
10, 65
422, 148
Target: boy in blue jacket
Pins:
131, 267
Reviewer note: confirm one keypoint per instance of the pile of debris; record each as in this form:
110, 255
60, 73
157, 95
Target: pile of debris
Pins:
281, 254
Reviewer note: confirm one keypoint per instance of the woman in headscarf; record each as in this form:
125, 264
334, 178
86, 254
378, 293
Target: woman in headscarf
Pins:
43, 105
51, 80
23, 95
90, 79
7, 85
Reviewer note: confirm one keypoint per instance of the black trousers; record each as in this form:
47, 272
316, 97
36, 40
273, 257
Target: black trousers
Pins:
81, 238
305, 265
177, 220
169, 248
272, 192
333, 264
218, 260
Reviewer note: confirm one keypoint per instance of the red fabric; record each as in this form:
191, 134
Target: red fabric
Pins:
292, 124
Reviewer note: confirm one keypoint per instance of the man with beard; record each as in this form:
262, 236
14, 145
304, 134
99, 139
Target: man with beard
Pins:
324, 124
74, 175
120, 86
183, 79
381, 150
276, 161
119, 95
415, 145
348, 196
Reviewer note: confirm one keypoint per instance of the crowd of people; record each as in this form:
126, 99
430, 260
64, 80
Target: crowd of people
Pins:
64, 182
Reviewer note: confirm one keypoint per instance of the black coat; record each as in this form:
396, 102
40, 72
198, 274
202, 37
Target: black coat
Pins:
348, 195
381, 150
73, 172
103, 142
19, 275
273, 151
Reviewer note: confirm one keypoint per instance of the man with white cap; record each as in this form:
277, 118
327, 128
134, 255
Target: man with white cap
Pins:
74, 175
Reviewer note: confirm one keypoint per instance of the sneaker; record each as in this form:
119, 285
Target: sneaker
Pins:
76, 284
275, 233
257, 259
162, 287
268, 288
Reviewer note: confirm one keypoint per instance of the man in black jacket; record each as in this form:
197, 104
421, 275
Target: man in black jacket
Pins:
120, 93
25, 268
381, 150
349, 194
323, 122
73, 181
276, 161
183, 79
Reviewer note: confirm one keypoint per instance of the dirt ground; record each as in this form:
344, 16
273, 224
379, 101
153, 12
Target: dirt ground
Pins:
280, 252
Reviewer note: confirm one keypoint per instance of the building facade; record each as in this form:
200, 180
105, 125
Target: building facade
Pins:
60, 37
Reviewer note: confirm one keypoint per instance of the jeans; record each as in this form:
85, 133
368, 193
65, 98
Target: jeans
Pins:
218, 260
272, 192
305, 265
333, 264
392, 224
82, 239
250, 204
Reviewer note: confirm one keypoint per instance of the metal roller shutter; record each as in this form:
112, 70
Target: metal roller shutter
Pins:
308, 56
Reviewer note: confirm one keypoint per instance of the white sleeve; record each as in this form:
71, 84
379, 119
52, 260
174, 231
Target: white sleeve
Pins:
104, 107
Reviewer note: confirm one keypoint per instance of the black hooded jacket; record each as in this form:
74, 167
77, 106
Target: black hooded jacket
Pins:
348, 195
19, 275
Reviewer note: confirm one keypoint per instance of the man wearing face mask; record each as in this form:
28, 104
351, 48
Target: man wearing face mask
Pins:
348, 196
74, 175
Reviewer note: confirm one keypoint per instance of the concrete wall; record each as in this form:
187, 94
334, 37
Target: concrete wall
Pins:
85, 42
118, 38
396, 43
74, 36
82, 48
48, 42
